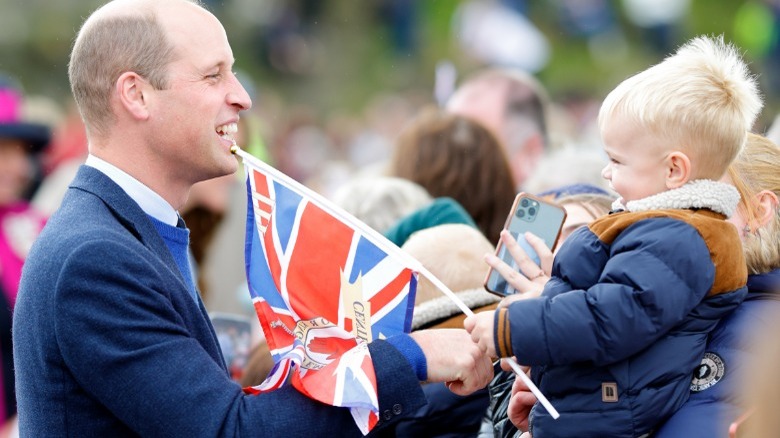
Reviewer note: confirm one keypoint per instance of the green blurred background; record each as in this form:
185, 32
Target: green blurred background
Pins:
334, 55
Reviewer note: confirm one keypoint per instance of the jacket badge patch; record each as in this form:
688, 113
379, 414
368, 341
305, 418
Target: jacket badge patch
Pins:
709, 373
609, 392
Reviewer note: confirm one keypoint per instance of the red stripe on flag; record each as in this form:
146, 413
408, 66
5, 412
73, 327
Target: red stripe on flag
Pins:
261, 183
261, 188
391, 291
276, 335
315, 266
274, 265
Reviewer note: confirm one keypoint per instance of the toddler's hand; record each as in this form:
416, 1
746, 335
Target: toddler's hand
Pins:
480, 327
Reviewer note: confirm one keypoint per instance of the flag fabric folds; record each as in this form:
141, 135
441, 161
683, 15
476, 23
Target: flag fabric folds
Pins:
324, 285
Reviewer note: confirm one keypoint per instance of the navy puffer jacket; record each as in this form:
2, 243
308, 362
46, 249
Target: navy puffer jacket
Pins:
624, 321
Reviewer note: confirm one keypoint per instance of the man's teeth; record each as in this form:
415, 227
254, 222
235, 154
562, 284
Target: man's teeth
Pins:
226, 131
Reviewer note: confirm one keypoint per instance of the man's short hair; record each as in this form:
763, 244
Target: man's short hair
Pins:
106, 47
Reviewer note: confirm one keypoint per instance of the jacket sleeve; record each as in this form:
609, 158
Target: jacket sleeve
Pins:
656, 271
125, 343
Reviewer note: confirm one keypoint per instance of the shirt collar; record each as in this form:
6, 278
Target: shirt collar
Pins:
149, 201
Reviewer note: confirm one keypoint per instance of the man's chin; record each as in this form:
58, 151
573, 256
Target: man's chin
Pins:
226, 168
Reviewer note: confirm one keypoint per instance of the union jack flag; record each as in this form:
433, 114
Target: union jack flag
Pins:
324, 285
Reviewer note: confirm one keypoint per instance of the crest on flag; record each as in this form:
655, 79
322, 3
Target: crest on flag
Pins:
323, 285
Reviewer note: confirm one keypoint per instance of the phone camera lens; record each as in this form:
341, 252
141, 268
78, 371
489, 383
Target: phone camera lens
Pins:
532, 211
520, 213
524, 203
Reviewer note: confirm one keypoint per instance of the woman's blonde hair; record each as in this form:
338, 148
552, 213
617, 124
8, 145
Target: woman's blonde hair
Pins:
755, 169
701, 101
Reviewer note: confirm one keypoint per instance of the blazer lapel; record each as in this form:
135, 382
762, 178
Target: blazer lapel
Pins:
127, 212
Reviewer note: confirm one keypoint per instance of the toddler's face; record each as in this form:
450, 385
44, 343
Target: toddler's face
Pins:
636, 167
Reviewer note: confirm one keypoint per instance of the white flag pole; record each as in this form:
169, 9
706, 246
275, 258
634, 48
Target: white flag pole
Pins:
512, 362
371, 234
381, 241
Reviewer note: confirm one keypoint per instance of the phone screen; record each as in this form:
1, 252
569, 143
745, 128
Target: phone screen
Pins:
529, 213
503, 253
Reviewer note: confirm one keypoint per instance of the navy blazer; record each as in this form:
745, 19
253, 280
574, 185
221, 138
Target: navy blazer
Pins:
108, 342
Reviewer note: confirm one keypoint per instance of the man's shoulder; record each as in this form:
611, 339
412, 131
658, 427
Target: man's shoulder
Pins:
82, 225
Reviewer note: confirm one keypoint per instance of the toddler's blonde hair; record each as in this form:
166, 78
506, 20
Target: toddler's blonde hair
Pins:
701, 100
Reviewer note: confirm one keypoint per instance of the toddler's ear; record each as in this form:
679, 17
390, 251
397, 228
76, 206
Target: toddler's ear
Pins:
678, 169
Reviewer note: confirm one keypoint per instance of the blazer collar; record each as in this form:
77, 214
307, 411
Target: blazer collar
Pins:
125, 209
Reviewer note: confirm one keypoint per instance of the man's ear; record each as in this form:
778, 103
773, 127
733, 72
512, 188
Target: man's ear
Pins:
767, 206
130, 89
678, 169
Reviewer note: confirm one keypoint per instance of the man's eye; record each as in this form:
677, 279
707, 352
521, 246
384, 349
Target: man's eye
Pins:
215, 76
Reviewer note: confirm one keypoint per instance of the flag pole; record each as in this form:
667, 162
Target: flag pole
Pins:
371, 234
381, 241
512, 362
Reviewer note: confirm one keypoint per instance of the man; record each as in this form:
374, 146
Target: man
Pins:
513, 105
111, 338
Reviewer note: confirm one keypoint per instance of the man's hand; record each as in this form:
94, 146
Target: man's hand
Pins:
453, 358
480, 327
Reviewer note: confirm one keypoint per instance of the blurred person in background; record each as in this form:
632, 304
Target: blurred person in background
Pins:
453, 253
20, 223
381, 201
61, 159
514, 106
203, 213
570, 165
440, 211
660, 21
454, 156
721, 389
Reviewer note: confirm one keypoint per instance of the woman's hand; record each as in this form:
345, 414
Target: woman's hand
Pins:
531, 278
520, 402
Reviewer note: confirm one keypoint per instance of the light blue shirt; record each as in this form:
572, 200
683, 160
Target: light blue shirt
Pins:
150, 202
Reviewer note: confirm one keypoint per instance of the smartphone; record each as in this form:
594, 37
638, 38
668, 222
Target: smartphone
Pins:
529, 213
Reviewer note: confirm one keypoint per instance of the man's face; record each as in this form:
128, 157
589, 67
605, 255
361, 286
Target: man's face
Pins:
485, 102
481, 102
196, 116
